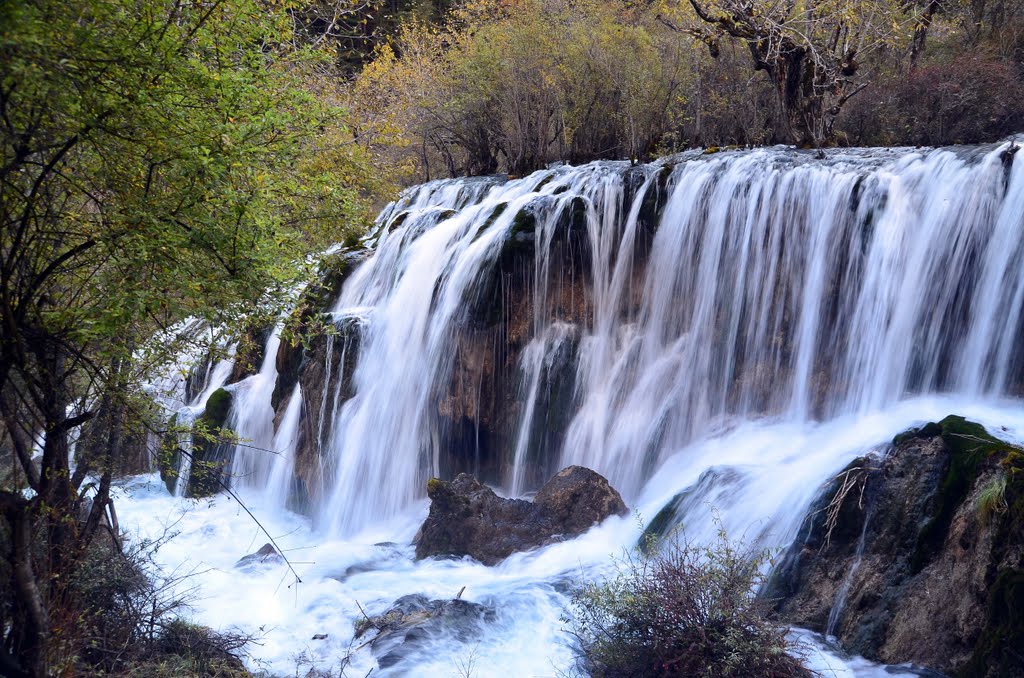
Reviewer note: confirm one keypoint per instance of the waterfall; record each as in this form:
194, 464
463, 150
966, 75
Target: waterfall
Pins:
765, 284
718, 334
642, 308
252, 419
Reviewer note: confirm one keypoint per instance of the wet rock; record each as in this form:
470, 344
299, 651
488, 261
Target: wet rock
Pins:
326, 378
249, 353
714, 487
414, 622
386, 553
577, 498
917, 555
267, 556
468, 518
210, 457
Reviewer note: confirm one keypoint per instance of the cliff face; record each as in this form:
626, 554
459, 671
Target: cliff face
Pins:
918, 555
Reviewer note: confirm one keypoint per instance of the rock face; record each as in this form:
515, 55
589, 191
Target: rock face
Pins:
918, 555
266, 556
414, 621
468, 519
208, 457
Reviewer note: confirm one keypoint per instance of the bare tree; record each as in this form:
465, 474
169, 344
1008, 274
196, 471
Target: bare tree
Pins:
811, 51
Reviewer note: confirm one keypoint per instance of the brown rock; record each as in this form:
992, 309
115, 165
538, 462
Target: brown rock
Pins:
467, 518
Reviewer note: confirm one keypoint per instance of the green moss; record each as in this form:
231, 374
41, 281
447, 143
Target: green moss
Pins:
495, 213
929, 430
217, 408
434, 485
525, 221
710, 150
969, 445
543, 182
997, 651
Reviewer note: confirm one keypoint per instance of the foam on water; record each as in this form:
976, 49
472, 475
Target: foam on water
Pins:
782, 466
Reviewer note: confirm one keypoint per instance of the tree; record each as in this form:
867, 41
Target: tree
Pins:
811, 51
512, 85
159, 162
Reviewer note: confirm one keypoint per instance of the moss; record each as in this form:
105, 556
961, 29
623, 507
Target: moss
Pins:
519, 239
970, 446
489, 221
929, 430
434, 485
543, 182
525, 221
711, 150
997, 651
217, 408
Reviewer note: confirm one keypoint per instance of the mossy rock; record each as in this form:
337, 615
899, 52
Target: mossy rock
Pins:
543, 182
168, 460
397, 221
971, 448
495, 213
210, 458
218, 407
663, 521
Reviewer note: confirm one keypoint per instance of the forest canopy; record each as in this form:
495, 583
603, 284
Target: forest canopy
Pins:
513, 84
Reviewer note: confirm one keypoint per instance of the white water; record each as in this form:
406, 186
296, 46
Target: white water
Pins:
791, 315
780, 467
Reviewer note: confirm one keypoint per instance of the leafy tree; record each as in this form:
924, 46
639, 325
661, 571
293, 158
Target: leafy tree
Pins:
513, 85
160, 161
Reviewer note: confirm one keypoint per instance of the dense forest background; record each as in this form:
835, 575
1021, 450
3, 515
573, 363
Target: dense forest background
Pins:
441, 88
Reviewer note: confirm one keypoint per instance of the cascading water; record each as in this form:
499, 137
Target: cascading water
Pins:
742, 324
776, 285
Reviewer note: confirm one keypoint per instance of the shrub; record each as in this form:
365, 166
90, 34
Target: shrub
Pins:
684, 610
120, 617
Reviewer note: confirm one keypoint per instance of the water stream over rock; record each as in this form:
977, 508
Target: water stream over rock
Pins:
753, 319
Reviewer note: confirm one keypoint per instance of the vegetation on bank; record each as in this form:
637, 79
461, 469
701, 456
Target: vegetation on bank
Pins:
161, 161
681, 609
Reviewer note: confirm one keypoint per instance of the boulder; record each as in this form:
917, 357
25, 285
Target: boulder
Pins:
267, 556
468, 519
917, 555
576, 499
413, 622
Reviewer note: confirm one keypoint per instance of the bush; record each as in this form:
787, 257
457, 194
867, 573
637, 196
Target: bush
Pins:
684, 610
118, 617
